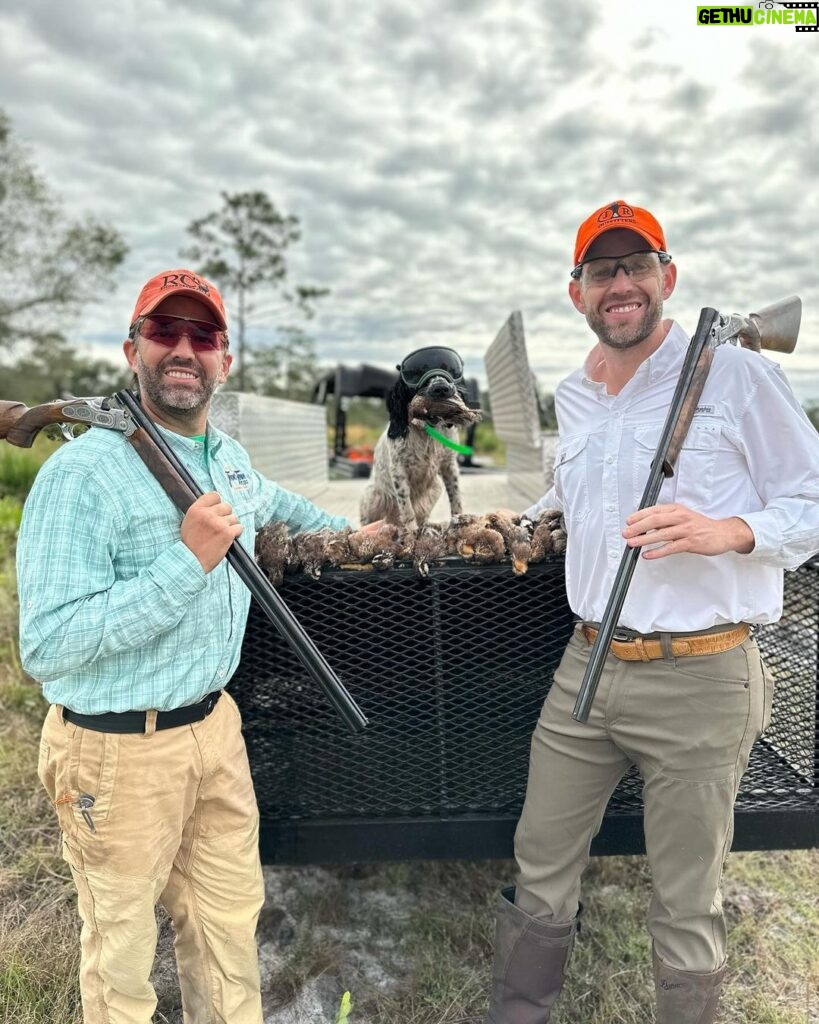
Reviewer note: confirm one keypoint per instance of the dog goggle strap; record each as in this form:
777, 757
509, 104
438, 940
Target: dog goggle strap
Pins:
433, 361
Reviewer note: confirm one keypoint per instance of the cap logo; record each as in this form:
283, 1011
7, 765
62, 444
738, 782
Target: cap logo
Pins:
614, 212
185, 281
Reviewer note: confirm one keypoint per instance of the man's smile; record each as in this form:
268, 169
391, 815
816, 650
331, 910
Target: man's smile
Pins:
177, 373
623, 307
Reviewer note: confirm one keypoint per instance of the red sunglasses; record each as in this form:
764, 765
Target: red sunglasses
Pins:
168, 330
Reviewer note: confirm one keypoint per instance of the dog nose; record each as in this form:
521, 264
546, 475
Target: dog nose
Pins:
440, 387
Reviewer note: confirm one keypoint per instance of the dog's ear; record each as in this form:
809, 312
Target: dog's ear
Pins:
398, 399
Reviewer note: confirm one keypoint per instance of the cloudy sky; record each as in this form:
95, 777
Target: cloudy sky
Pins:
439, 153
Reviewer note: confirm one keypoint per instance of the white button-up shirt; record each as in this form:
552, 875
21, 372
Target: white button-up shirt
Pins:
750, 451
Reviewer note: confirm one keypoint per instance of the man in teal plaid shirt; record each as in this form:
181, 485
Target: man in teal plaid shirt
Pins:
133, 623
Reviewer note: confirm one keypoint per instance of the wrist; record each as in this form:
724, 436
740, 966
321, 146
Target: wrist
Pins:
742, 536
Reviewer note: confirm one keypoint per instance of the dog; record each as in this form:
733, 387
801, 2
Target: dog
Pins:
409, 463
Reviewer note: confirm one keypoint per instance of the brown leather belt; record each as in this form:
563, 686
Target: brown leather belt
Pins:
643, 649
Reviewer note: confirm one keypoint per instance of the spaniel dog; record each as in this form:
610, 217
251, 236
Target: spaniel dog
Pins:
412, 456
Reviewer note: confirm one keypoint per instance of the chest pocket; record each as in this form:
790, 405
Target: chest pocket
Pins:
646, 440
695, 466
571, 478
235, 487
245, 508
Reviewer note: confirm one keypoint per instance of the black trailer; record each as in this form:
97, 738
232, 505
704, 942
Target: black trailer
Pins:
368, 381
452, 671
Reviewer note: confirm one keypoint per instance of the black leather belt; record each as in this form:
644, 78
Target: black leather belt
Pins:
134, 721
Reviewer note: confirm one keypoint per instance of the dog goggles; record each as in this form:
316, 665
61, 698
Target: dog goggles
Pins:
433, 361
168, 330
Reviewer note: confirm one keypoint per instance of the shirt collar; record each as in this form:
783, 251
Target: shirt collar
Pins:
658, 365
666, 359
213, 440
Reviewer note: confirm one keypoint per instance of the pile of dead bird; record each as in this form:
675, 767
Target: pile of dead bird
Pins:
494, 537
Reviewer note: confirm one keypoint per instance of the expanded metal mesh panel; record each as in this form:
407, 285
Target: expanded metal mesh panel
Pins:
452, 671
791, 652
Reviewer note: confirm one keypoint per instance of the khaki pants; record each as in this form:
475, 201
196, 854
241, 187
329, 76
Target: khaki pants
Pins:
176, 822
688, 724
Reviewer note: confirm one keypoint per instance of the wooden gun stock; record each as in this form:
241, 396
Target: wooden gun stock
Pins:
19, 424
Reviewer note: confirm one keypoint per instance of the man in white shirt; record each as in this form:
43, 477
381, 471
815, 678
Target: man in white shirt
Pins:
683, 694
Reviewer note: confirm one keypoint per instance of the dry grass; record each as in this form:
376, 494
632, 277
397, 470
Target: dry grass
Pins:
772, 902
39, 932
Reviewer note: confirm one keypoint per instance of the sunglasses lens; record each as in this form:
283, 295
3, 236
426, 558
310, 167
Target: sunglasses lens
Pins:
169, 330
426, 361
638, 265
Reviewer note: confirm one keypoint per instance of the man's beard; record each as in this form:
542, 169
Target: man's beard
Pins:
623, 336
175, 399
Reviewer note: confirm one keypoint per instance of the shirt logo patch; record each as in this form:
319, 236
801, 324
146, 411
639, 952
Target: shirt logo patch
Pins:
237, 478
705, 410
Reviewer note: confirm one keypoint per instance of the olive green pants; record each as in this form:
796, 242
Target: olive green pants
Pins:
689, 725
174, 821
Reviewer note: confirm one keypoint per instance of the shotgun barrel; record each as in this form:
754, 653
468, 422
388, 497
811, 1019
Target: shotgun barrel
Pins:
246, 568
20, 424
628, 562
775, 328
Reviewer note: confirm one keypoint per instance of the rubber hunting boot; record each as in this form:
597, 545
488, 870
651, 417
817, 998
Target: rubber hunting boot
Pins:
684, 997
529, 965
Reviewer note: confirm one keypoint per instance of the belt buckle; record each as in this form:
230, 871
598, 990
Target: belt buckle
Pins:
622, 637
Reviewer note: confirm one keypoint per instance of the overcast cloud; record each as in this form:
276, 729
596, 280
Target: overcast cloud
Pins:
440, 155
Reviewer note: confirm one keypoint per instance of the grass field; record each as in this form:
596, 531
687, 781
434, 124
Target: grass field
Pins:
411, 941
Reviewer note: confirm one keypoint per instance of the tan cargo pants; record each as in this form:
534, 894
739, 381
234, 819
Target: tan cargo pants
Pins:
174, 821
689, 725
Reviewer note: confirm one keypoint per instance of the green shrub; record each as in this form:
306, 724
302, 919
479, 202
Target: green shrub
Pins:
11, 512
19, 466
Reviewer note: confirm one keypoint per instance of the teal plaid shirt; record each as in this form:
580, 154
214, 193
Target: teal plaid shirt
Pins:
116, 613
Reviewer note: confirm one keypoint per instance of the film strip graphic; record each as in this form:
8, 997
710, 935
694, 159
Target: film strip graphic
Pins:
802, 7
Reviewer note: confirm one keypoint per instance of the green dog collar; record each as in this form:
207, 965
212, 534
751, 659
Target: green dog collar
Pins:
462, 449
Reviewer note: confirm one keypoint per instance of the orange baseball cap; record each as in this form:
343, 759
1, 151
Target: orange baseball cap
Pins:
179, 282
618, 215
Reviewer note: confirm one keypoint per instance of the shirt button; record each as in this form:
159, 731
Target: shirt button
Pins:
609, 508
